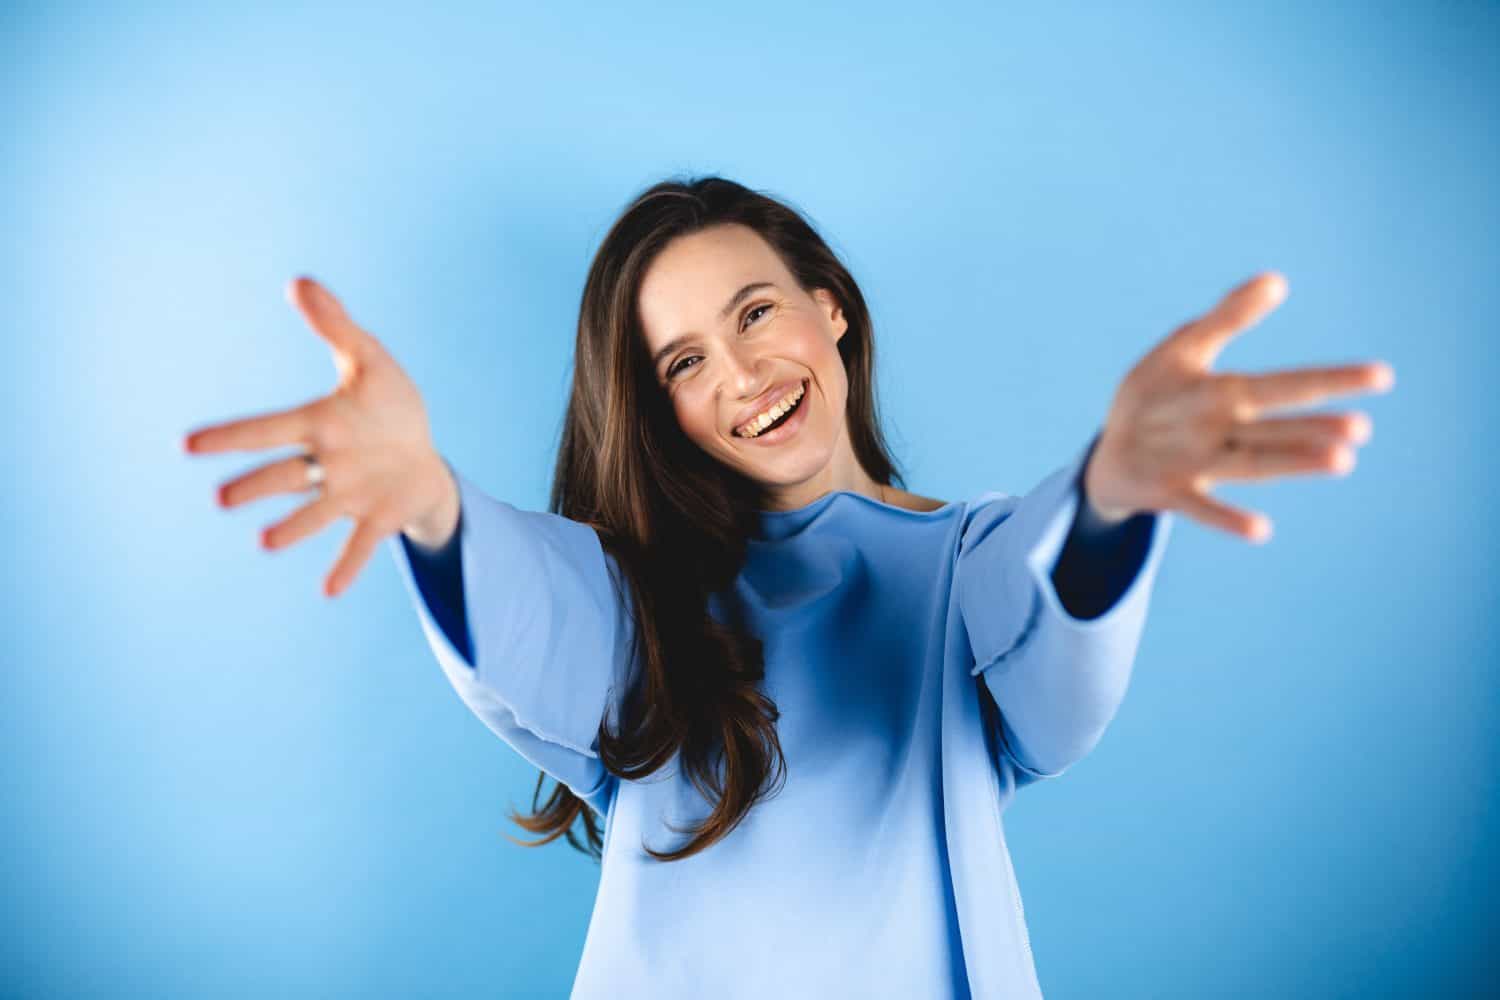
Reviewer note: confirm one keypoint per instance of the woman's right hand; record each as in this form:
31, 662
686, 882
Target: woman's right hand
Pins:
371, 437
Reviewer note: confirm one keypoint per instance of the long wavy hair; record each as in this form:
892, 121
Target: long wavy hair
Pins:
676, 521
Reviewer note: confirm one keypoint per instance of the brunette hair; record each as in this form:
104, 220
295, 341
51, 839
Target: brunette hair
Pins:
676, 521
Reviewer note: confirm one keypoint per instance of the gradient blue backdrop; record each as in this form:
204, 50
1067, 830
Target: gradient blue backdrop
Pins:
220, 783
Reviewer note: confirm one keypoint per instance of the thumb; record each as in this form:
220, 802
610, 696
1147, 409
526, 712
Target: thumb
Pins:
327, 317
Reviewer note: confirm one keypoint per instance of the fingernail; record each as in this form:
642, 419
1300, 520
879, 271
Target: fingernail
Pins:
1385, 377
1361, 428
310, 291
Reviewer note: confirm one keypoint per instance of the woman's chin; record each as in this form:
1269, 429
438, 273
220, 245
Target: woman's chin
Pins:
787, 468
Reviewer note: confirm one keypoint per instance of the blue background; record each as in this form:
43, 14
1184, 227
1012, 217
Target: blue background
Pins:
218, 782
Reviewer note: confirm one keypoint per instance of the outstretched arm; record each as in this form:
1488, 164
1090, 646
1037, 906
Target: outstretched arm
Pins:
1058, 670
1026, 568
531, 622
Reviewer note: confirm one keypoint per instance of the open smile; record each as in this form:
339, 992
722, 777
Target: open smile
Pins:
784, 426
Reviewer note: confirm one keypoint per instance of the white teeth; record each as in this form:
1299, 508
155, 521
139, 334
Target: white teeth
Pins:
752, 427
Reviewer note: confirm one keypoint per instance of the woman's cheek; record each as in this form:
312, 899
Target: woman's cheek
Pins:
694, 423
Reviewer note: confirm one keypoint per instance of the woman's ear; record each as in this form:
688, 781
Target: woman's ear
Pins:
834, 312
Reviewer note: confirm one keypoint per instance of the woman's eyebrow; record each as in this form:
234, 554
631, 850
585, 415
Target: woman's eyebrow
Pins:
734, 300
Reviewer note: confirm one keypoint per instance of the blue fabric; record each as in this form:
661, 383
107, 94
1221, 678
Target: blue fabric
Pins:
1097, 563
1099, 559
439, 574
925, 667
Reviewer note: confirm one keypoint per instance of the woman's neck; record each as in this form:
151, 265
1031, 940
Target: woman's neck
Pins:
843, 472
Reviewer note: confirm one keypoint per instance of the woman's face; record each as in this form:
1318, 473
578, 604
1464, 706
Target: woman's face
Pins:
730, 334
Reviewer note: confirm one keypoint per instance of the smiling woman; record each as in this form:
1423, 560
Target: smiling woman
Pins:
715, 303
834, 677
732, 624
738, 339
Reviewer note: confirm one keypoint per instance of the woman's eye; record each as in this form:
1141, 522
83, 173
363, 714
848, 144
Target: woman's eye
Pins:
757, 309
682, 363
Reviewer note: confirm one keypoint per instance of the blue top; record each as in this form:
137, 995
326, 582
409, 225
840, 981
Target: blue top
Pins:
880, 869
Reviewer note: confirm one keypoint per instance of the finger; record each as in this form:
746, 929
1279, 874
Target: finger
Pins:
292, 426
1200, 342
304, 521
1270, 461
356, 552
1214, 513
326, 315
1313, 385
1318, 428
286, 476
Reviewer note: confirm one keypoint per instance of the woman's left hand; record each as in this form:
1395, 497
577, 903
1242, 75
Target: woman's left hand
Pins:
1174, 427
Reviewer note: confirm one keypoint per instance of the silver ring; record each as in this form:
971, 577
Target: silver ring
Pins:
314, 471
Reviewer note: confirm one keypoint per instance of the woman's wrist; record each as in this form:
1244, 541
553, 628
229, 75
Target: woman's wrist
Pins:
435, 529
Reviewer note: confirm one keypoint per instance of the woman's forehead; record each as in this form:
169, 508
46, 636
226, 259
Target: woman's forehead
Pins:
720, 255
688, 286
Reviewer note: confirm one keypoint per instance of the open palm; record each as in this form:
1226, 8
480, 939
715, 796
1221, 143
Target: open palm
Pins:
370, 434
1175, 428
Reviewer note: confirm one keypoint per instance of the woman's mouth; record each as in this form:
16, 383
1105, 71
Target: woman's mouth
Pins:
783, 426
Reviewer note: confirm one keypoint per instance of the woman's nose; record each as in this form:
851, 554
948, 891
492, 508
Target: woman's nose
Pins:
742, 370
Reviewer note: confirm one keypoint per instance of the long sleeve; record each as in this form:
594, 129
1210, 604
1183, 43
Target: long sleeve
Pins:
531, 622
439, 574
1099, 559
1057, 678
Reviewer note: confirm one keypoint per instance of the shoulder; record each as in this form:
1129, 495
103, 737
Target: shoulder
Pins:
911, 501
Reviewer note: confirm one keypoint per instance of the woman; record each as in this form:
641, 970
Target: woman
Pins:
732, 624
